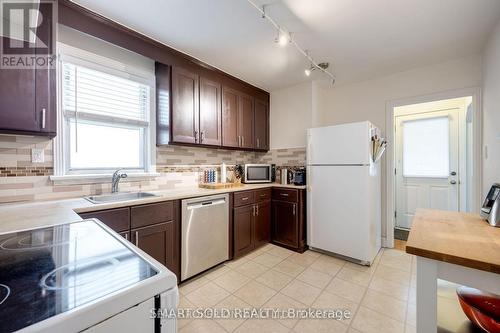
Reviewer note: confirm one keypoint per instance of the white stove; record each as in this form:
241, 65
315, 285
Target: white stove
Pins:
81, 276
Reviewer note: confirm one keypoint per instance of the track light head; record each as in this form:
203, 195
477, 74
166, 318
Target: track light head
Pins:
283, 38
324, 65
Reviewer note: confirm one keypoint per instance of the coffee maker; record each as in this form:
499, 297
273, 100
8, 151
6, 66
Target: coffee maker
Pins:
491, 206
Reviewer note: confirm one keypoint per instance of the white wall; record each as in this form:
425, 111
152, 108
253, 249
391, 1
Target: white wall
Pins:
491, 110
291, 115
367, 100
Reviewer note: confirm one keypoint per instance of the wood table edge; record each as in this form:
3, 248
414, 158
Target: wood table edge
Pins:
451, 259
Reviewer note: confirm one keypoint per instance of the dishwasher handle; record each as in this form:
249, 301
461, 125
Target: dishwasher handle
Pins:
207, 203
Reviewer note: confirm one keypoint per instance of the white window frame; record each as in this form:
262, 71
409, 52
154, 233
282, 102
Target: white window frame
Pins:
93, 61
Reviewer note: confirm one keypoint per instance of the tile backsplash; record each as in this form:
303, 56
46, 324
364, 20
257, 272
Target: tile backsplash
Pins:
179, 166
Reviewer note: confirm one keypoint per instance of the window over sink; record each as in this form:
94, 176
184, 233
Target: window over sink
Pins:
106, 116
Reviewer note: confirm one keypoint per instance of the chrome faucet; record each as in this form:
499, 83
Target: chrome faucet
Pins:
115, 180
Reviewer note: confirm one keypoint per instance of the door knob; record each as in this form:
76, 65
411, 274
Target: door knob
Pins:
453, 182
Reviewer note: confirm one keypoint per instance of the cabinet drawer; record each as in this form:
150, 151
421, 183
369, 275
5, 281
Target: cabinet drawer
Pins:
145, 215
117, 219
244, 198
285, 194
262, 195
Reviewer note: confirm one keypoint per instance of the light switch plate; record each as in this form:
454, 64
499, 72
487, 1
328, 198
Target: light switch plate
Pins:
37, 155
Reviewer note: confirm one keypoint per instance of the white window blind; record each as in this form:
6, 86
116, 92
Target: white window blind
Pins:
106, 119
93, 92
426, 148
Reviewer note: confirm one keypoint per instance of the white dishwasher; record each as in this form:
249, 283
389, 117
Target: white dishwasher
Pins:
205, 233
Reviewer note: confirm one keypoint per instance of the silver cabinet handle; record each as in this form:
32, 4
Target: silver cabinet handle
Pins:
244, 199
195, 136
44, 111
202, 136
284, 194
242, 140
453, 173
253, 210
126, 236
453, 182
137, 238
257, 206
258, 143
239, 141
293, 209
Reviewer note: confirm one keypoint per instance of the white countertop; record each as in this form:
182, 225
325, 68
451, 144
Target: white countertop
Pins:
45, 213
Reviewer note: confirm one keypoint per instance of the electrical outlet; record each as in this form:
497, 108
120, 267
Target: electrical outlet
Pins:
37, 155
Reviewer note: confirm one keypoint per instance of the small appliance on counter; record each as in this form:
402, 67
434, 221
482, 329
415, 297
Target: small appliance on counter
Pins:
491, 206
299, 177
257, 173
284, 176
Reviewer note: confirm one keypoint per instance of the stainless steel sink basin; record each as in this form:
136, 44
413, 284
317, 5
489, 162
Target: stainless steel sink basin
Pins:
103, 198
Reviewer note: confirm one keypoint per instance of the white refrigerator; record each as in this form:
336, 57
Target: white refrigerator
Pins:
343, 193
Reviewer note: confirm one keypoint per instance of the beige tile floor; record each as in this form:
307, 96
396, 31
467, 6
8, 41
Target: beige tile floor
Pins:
381, 298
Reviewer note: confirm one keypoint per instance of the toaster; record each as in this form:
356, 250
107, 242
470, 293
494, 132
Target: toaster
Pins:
491, 206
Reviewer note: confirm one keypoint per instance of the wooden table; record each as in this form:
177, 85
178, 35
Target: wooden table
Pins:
456, 247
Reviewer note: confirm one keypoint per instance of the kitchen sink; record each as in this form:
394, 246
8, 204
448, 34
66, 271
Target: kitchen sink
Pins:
103, 198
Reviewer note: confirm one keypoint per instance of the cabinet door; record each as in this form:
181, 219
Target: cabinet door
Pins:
263, 223
230, 136
243, 230
18, 99
246, 121
261, 125
210, 113
160, 242
285, 223
162, 73
117, 219
185, 99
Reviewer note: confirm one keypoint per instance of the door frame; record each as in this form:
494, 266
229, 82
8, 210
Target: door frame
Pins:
475, 92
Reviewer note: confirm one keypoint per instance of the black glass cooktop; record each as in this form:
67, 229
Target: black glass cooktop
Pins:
47, 271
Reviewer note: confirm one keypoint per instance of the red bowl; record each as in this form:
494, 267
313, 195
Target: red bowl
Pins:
483, 309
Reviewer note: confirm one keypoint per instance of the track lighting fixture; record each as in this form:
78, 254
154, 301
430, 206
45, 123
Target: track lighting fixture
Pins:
321, 66
284, 37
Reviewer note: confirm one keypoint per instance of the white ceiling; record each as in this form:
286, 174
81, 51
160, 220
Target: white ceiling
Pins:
361, 39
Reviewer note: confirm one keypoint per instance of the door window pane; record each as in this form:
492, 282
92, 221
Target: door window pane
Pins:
426, 148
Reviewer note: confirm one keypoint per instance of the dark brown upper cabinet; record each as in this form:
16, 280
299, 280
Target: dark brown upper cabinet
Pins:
185, 106
261, 125
230, 116
163, 100
237, 119
210, 113
27, 100
246, 121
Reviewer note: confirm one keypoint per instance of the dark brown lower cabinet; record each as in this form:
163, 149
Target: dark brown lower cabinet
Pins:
154, 228
125, 234
159, 241
288, 218
263, 223
243, 230
285, 224
251, 221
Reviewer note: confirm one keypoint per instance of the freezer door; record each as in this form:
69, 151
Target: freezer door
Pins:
341, 144
344, 210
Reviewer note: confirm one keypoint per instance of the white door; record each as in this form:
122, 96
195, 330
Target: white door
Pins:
426, 163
